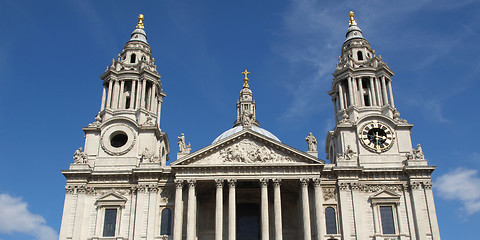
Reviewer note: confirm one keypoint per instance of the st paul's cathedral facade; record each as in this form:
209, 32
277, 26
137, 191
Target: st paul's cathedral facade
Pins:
247, 184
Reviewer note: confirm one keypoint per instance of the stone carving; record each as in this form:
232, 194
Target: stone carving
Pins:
348, 154
166, 194
148, 156
219, 182
246, 119
396, 117
98, 121
232, 182
149, 122
276, 182
263, 182
328, 193
178, 183
182, 147
82, 189
419, 152
80, 157
344, 117
312, 142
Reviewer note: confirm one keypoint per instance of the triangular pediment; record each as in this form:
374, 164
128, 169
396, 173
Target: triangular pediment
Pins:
249, 148
385, 196
111, 199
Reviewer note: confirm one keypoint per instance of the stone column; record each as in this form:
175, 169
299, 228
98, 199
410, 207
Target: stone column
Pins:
346, 211
372, 93
143, 94
307, 232
392, 103
159, 111
121, 100
104, 95
152, 97
219, 210
418, 209
384, 91
360, 89
139, 93
431, 210
191, 210
132, 95
340, 96
232, 228
115, 95
277, 205
350, 92
379, 91
109, 96
177, 220
318, 209
264, 208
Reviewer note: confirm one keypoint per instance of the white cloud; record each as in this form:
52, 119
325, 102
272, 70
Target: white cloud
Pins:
463, 185
15, 217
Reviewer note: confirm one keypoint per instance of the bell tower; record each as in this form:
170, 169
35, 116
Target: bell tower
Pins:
127, 129
368, 131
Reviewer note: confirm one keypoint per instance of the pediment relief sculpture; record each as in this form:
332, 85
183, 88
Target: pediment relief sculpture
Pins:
248, 151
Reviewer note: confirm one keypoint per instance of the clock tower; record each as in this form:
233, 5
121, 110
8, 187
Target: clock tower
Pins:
368, 131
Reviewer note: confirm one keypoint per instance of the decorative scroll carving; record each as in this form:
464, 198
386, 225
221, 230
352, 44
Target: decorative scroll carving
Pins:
178, 183
192, 183
316, 182
380, 187
152, 188
304, 182
344, 186
79, 189
263, 182
276, 182
232, 182
80, 157
247, 151
416, 185
219, 182
427, 185
328, 193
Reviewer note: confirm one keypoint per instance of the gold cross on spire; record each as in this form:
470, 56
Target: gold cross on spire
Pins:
140, 21
352, 20
245, 80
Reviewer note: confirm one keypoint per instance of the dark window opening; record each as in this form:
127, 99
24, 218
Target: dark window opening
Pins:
132, 58
331, 220
360, 55
166, 224
118, 139
366, 100
127, 103
386, 214
109, 222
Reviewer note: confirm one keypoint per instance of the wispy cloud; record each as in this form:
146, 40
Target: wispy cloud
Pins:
463, 185
16, 218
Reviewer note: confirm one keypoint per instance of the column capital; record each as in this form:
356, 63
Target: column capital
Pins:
178, 183
276, 182
219, 182
263, 182
232, 182
192, 182
304, 181
316, 182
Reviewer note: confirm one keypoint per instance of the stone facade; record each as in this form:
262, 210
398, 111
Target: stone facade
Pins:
247, 184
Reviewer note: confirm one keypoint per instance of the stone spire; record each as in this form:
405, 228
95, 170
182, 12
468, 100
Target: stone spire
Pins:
132, 86
246, 105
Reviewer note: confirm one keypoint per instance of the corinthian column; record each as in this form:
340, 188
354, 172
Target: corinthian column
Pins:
177, 221
318, 208
232, 230
307, 233
191, 210
219, 210
277, 205
264, 207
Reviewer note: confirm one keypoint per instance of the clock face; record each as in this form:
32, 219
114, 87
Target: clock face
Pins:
377, 137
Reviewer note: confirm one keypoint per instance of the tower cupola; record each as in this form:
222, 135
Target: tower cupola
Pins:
246, 105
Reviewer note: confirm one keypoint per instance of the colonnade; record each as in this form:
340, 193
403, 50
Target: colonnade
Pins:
264, 208
379, 93
114, 95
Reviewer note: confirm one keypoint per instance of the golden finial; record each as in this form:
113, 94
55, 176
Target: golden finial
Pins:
245, 80
352, 20
140, 21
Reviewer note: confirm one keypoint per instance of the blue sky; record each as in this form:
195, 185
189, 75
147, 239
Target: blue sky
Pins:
53, 52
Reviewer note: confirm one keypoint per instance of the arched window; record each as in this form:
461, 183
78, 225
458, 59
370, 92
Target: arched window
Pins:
360, 55
132, 58
166, 224
331, 220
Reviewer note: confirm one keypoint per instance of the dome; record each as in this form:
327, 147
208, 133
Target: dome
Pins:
237, 129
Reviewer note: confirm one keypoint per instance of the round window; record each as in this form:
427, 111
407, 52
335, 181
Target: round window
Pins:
118, 139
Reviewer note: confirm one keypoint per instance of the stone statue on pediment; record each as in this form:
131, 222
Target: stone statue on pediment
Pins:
182, 147
79, 157
419, 152
312, 142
